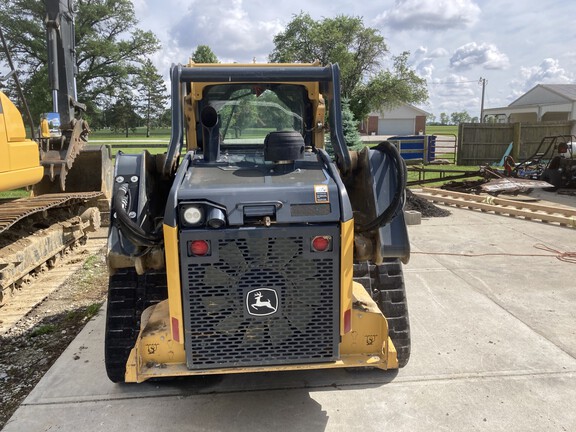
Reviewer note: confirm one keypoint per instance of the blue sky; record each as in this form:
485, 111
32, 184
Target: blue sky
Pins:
514, 45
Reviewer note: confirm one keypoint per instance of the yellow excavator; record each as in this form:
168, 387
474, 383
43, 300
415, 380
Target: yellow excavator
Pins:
68, 181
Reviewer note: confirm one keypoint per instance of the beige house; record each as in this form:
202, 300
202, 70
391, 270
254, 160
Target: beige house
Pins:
545, 102
405, 119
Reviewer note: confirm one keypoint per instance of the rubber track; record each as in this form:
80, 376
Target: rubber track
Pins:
16, 210
128, 295
385, 283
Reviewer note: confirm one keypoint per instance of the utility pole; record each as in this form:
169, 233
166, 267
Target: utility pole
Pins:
483, 82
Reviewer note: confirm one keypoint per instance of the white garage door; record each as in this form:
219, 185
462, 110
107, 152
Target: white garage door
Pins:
395, 126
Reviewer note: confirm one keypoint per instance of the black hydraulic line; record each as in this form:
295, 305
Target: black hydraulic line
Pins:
128, 227
397, 202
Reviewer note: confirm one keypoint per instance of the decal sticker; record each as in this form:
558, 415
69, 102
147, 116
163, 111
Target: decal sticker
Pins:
370, 339
262, 302
321, 194
152, 348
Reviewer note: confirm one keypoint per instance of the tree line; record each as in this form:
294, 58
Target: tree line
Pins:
452, 119
123, 89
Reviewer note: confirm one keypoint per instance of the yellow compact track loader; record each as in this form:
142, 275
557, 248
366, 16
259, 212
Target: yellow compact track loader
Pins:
263, 245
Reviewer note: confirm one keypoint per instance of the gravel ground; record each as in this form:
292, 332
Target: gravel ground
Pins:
30, 348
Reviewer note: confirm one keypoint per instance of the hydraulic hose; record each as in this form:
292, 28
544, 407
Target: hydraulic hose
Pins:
397, 202
128, 227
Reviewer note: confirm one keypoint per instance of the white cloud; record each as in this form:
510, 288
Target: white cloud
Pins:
430, 14
425, 68
420, 52
547, 72
454, 86
229, 28
439, 52
485, 55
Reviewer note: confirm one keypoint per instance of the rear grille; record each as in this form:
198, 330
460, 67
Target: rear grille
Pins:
227, 326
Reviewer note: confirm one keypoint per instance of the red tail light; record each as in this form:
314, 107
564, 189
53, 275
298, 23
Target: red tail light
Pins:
321, 243
199, 247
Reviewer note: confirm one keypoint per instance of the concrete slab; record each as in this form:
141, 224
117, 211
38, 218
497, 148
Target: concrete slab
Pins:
493, 349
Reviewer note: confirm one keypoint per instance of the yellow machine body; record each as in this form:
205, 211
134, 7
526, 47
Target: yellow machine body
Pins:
159, 349
19, 156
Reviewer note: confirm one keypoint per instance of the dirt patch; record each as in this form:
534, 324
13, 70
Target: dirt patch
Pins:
31, 346
423, 206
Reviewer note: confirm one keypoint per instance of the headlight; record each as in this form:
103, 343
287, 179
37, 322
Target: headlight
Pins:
193, 215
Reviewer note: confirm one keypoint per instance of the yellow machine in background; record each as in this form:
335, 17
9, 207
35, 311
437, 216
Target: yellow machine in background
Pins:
69, 181
20, 158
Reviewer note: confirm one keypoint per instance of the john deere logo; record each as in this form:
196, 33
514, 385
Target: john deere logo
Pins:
262, 302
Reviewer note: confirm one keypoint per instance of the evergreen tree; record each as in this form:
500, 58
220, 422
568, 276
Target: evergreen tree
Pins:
153, 96
350, 126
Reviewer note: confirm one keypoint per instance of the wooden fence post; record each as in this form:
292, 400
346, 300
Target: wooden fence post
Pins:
516, 142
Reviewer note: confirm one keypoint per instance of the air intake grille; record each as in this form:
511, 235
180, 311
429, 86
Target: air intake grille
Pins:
262, 300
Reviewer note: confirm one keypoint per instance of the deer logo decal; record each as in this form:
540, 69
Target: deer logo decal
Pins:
262, 302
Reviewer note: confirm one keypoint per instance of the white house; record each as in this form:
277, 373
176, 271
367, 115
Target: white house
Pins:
405, 119
545, 102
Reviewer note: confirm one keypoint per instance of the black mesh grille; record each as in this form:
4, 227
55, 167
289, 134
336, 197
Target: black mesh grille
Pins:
220, 332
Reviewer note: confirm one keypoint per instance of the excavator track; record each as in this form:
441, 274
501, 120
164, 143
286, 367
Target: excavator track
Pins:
12, 211
35, 231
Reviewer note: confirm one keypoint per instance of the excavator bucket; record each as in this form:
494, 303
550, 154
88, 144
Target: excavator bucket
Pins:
91, 172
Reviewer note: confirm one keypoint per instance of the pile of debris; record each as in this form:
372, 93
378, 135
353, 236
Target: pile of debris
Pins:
426, 208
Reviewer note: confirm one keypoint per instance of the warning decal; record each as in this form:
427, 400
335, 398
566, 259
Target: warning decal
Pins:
321, 194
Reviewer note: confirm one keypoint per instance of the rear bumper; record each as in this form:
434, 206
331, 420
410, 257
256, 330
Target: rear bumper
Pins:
157, 355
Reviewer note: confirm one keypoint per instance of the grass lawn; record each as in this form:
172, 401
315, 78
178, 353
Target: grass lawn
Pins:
136, 141
138, 133
442, 130
414, 175
13, 194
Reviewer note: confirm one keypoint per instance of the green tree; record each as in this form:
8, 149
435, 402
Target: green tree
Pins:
444, 119
123, 116
152, 89
276, 116
245, 115
460, 117
238, 115
165, 119
359, 51
389, 88
203, 54
350, 126
343, 40
109, 47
